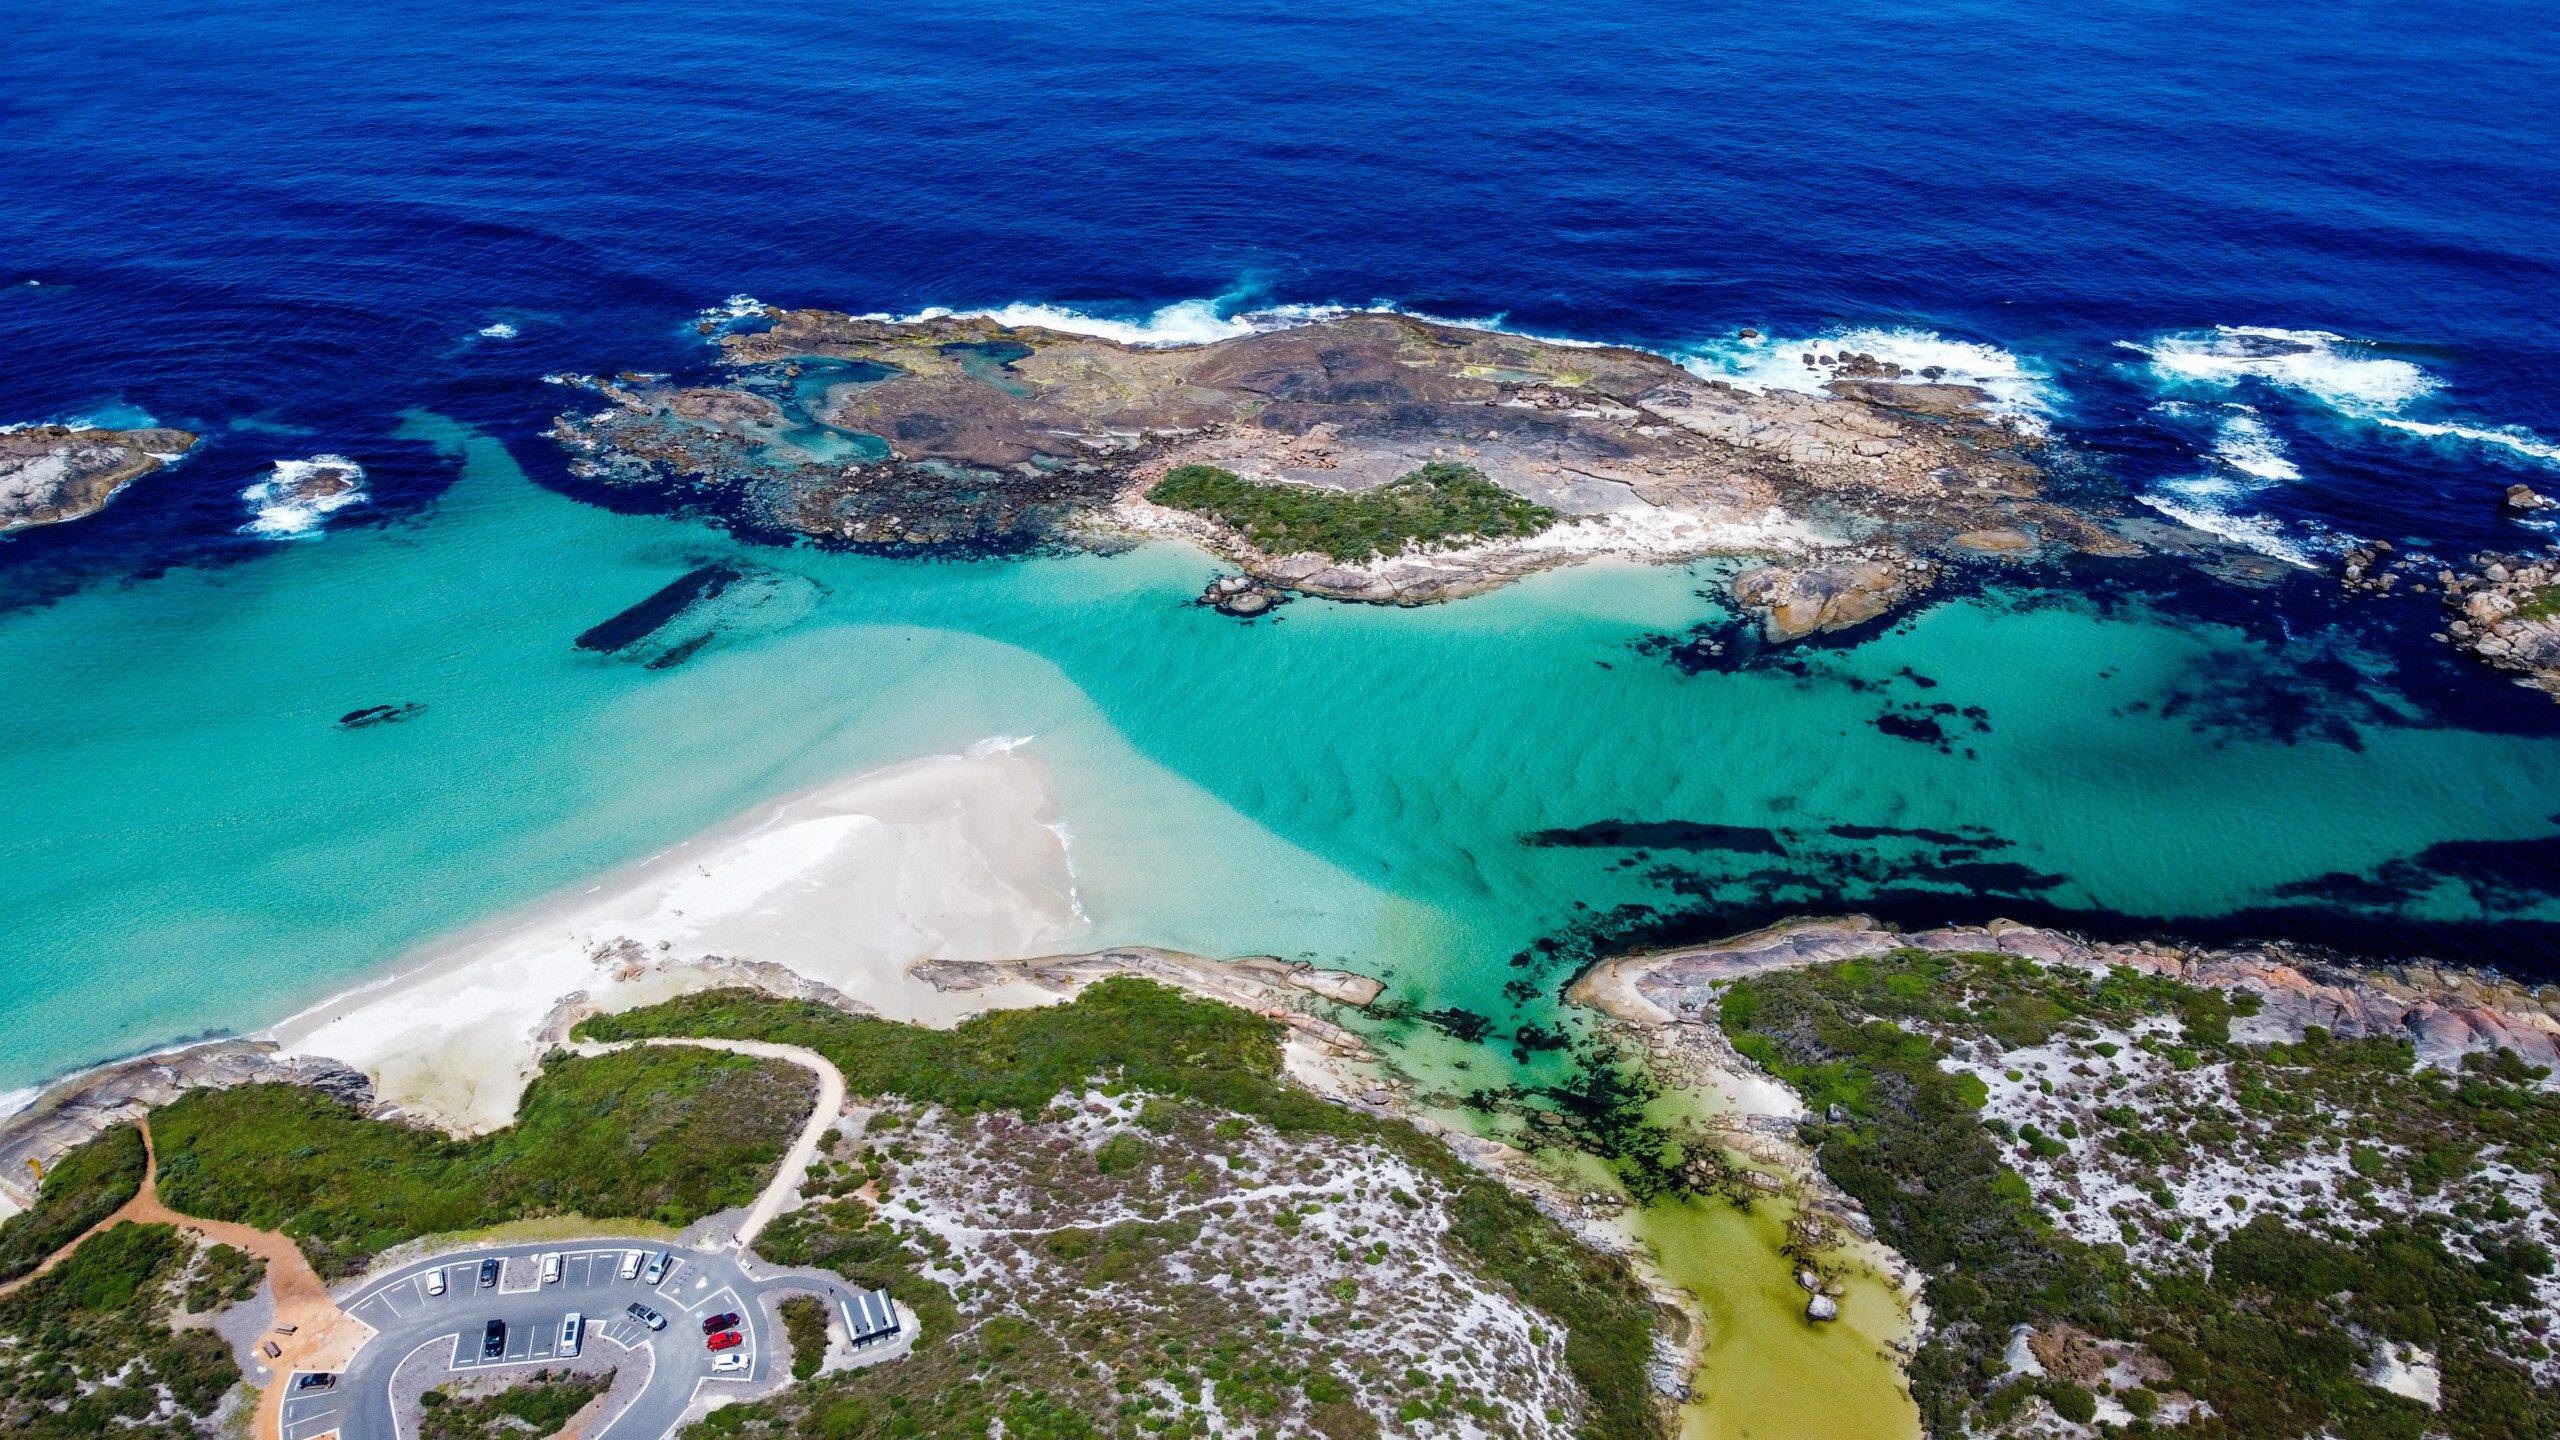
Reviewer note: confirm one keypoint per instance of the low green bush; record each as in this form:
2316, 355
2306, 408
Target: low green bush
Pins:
84, 1186
1440, 504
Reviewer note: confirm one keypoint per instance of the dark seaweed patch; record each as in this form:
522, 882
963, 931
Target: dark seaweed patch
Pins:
2499, 874
1690, 835
680, 652
1908, 725
643, 619
1466, 1025
1973, 835
380, 715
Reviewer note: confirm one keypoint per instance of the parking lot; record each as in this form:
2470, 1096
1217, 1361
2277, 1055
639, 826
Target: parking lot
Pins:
417, 1327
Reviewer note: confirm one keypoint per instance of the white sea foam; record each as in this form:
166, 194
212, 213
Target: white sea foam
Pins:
2244, 441
2347, 376
499, 330
279, 508
2202, 503
2513, 437
13, 1101
2018, 388
1185, 322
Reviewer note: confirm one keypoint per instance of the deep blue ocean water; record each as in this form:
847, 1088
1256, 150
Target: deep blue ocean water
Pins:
290, 226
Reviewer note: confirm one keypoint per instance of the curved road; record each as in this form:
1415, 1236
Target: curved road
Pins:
444, 1332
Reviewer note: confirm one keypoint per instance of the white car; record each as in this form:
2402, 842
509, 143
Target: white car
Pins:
551, 1268
630, 1264
656, 1269
570, 1331
728, 1363
435, 1281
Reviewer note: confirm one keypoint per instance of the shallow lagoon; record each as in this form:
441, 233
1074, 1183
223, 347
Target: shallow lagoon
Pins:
197, 844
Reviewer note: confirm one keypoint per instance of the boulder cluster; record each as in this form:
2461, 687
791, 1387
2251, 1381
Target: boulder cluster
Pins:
2507, 612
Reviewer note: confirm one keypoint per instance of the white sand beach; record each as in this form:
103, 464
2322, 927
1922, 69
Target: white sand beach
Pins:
848, 884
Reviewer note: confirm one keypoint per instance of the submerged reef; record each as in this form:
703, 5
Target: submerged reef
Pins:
53, 473
1367, 456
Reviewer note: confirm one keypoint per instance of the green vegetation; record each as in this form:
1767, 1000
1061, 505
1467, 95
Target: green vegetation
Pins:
2542, 604
2273, 1325
1434, 506
86, 1349
656, 1133
222, 1278
804, 1319
1155, 1040
84, 1187
534, 1408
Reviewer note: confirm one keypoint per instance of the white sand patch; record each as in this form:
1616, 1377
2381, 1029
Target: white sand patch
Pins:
849, 884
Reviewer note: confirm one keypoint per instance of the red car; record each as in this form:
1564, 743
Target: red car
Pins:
725, 1340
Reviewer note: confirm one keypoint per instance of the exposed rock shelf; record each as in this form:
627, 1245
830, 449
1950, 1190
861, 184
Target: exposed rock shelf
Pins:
53, 473
958, 430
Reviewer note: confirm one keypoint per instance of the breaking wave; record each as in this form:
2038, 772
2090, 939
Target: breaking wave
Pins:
2347, 376
2018, 389
498, 330
298, 495
2244, 441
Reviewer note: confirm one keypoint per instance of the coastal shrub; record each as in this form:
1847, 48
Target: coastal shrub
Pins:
86, 1349
1440, 504
2273, 1324
1157, 1040
537, 1406
223, 1276
804, 1319
658, 1133
85, 1186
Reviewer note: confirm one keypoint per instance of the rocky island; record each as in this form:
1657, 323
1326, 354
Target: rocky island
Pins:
1368, 456
53, 473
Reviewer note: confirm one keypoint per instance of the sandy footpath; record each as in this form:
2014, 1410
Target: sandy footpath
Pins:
952, 857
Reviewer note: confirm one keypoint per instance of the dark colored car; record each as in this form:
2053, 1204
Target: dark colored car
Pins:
725, 1340
316, 1380
646, 1316
488, 1273
493, 1341
714, 1324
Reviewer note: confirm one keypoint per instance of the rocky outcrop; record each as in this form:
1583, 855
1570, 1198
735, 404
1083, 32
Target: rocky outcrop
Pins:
2446, 1013
1260, 983
53, 473
80, 1106
2525, 497
2508, 613
961, 431
1794, 602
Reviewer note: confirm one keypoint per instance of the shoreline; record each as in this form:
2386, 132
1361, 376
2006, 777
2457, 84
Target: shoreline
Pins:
834, 892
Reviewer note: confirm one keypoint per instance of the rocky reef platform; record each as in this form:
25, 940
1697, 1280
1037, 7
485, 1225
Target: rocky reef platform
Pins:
959, 431
53, 473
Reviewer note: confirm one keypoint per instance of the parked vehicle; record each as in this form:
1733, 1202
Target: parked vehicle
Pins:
656, 1270
316, 1380
647, 1316
493, 1341
572, 1330
714, 1324
489, 1274
725, 1340
435, 1281
727, 1363
630, 1264
551, 1268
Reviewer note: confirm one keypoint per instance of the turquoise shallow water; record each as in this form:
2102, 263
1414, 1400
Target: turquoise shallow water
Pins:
195, 844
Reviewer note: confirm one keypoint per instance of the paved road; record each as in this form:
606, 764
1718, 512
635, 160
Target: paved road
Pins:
444, 1332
